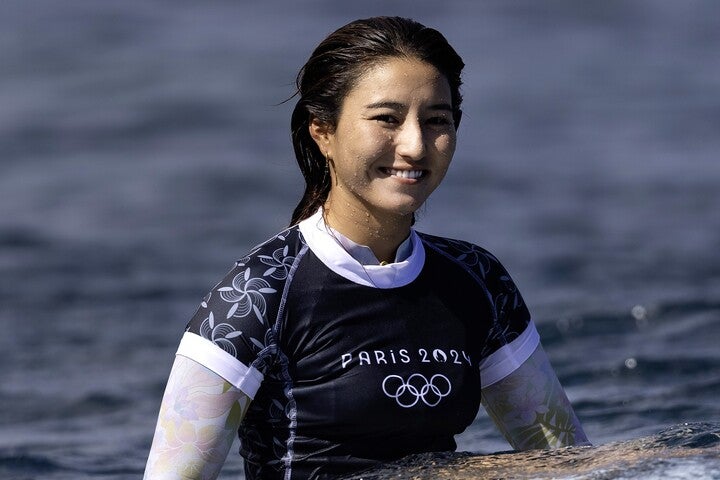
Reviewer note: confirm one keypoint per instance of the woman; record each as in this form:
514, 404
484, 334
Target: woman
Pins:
351, 339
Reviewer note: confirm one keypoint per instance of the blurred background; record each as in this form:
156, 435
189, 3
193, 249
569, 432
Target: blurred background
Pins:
144, 146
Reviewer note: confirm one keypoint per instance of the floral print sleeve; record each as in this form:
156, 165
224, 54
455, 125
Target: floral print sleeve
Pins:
233, 331
530, 407
198, 420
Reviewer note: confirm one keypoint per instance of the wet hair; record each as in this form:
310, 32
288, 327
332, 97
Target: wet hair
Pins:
335, 67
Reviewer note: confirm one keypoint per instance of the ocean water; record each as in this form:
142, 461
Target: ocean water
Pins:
144, 146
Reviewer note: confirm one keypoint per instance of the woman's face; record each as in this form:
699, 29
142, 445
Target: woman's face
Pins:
393, 141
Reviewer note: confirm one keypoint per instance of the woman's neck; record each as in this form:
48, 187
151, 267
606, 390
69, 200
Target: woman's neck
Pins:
382, 233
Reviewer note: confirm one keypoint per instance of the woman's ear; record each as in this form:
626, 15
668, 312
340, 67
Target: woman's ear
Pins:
321, 132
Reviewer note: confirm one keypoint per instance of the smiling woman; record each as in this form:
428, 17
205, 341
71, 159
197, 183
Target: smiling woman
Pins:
390, 149
351, 339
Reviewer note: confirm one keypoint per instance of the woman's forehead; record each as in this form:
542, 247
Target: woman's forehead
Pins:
399, 80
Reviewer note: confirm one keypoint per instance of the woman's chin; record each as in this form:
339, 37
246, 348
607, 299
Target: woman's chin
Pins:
402, 209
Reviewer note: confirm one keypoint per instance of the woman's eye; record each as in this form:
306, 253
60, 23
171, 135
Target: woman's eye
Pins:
385, 119
439, 121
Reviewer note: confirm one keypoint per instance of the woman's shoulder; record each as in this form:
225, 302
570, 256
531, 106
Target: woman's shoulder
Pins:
237, 313
276, 251
265, 267
462, 252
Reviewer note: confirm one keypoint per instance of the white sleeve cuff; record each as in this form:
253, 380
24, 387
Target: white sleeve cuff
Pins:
508, 358
209, 355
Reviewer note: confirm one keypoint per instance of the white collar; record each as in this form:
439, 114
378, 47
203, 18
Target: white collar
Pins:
364, 254
335, 256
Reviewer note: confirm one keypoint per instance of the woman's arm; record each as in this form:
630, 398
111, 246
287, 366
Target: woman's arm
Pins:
530, 407
198, 421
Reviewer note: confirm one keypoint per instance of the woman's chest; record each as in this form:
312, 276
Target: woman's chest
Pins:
367, 362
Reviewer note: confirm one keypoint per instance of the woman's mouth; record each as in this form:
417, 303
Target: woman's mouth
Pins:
413, 174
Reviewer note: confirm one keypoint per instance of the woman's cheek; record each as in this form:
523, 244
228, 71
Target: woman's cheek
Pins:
446, 143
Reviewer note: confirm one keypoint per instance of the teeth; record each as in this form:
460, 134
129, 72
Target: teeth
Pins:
406, 173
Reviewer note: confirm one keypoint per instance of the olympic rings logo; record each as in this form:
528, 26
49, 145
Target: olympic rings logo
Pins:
408, 393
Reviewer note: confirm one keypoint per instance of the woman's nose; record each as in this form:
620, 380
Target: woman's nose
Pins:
410, 142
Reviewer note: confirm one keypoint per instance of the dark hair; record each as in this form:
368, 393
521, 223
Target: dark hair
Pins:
332, 71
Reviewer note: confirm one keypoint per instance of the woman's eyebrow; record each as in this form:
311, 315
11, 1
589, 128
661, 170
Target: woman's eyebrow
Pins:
386, 104
441, 106
400, 106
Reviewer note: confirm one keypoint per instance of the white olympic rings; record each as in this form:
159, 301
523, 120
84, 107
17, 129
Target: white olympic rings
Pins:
408, 393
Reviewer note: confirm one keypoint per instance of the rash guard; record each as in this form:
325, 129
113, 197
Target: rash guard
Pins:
350, 365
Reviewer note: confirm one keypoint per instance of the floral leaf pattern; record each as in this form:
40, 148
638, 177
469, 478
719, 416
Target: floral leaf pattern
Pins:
198, 421
531, 409
246, 295
220, 334
250, 291
279, 263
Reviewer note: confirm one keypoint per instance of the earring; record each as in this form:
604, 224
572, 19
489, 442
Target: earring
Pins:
326, 171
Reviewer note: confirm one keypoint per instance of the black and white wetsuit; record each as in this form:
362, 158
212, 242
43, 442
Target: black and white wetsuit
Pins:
349, 365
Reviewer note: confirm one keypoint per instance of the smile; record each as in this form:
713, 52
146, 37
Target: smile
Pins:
404, 173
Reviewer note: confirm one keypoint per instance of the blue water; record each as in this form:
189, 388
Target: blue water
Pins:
143, 149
